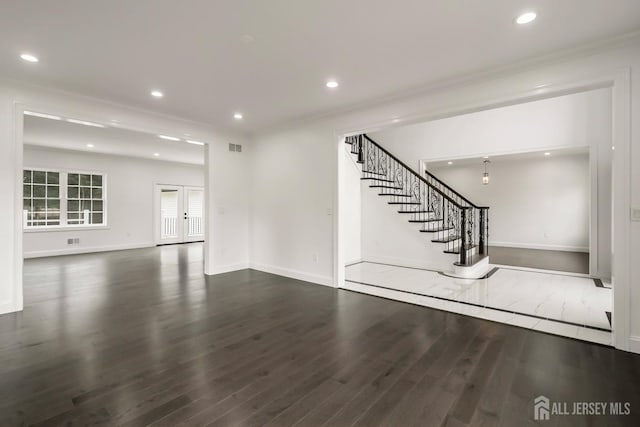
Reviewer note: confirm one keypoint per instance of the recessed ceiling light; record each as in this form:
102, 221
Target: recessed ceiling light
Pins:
170, 138
43, 115
195, 142
547, 153
237, 116
90, 145
449, 163
29, 58
156, 154
157, 94
332, 84
485, 157
85, 123
525, 18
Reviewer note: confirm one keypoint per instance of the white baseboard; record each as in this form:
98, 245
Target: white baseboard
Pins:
294, 274
540, 246
8, 307
85, 250
634, 344
219, 269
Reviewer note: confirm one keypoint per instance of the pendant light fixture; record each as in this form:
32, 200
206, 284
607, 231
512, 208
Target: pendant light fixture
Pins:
485, 175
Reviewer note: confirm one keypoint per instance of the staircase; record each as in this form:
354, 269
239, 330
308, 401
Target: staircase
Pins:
461, 227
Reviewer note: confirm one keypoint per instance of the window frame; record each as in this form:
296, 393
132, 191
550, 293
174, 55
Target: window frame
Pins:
63, 185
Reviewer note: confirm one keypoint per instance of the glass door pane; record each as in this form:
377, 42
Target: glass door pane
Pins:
169, 214
194, 207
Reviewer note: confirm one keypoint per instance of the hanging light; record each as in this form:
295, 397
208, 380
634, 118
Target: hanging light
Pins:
485, 175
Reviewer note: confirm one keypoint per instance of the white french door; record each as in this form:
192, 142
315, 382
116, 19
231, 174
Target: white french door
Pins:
179, 214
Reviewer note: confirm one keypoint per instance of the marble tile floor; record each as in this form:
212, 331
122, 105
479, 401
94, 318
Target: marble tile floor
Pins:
570, 305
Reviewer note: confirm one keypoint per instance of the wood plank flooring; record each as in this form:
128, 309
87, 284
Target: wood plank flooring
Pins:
141, 337
573, 262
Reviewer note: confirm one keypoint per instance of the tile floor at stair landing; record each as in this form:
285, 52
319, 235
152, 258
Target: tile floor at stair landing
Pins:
564, 304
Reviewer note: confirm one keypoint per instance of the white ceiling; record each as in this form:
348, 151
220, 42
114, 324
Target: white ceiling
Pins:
196, 51
108, 140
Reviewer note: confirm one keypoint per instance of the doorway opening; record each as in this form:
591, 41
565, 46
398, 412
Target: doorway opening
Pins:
179, 214
548, 187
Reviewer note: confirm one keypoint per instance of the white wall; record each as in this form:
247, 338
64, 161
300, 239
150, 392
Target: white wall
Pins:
227, 180
352, 211
292, 190
538, 203
130, 189
288, 218
576, 120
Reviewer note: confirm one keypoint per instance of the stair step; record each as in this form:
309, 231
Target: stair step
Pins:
392, 194
374, 173
376, 179
447, 239
385, 186
405, 203
437, 230
426, 220
456, 250
474, 260
414, 212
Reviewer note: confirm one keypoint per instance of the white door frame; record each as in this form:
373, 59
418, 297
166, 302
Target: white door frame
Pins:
484, 98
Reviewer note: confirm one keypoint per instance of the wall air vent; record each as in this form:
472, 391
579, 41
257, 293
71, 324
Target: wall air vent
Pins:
232, 147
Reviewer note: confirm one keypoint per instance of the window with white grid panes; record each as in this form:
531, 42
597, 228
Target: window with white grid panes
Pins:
41, 198
85, 199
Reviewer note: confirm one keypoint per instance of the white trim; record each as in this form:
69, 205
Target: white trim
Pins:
18, 131
294, 274
76, 251
219, 269
634, 343
68, 228
621, 205
563, 248
7, 307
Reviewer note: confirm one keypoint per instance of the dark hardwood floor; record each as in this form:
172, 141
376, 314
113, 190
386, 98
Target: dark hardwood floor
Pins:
573, 262
140, 337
